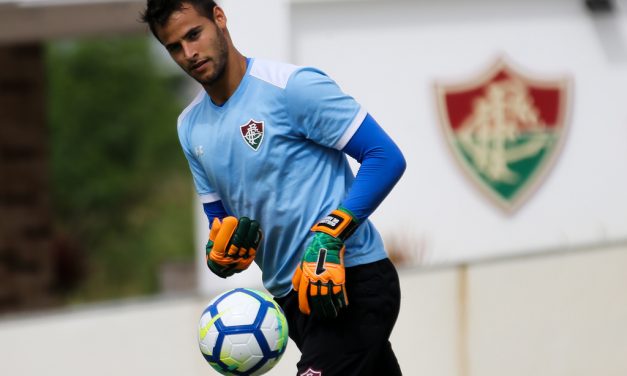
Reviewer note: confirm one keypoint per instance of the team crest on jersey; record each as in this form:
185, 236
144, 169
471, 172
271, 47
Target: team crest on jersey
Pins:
505, 129
252, 133
311, 372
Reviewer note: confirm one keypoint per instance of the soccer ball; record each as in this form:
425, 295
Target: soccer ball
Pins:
242, 332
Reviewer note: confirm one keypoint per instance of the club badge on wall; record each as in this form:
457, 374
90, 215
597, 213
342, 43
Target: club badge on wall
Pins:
505, 129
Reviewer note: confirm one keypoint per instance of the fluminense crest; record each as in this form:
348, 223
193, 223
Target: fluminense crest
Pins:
505, 129
252, 132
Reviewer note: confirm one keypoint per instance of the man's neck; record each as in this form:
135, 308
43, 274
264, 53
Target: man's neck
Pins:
222, 89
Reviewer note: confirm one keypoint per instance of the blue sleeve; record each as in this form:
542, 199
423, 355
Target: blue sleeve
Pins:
382, 165
214, 210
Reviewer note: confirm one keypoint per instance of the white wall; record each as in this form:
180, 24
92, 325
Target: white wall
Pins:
390, 54
551, 315
564, 315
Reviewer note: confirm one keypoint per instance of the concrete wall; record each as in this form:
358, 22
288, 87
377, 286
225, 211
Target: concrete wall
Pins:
27, 21
554, 315
557, 315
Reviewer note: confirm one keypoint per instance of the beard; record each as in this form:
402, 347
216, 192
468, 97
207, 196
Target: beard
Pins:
219, 62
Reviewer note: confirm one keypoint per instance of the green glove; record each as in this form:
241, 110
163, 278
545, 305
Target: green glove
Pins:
320, 278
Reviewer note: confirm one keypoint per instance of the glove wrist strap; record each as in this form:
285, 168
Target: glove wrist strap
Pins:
339, 224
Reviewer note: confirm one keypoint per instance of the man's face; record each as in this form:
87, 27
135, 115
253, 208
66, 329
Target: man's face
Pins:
196, 43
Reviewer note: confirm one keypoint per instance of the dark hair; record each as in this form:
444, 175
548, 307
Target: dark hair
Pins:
158, 12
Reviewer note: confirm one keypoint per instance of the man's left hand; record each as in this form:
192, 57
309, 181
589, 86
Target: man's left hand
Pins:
320, 277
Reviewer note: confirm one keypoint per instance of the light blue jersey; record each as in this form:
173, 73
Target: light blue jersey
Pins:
272, 153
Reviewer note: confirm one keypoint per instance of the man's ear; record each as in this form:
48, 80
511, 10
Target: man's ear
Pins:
219, 17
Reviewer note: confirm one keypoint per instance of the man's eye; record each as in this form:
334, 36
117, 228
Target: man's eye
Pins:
194, 35
174, 47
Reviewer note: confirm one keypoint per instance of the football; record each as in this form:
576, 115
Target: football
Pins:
242, 332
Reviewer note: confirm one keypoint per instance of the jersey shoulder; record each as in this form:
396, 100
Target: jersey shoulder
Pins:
275, 73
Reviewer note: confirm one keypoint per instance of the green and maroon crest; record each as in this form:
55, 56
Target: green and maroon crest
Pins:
505, 129
252, 132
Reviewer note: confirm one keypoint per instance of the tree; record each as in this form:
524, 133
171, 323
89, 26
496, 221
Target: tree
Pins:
121, 190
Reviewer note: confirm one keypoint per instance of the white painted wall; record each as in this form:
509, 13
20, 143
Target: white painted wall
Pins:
389, 56
552, 315
557, 315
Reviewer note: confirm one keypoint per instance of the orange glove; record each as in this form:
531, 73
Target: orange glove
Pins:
232, 245
320, 277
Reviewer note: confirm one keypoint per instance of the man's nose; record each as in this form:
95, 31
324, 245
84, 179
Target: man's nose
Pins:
189, 51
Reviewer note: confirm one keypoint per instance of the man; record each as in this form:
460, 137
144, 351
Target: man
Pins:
266, 143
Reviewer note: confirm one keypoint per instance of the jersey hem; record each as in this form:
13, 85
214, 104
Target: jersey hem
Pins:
364, 260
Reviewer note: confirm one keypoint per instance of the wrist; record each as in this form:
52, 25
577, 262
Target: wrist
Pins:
340, 224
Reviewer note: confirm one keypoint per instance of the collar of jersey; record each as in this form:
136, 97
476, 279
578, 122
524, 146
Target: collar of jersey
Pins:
238, 92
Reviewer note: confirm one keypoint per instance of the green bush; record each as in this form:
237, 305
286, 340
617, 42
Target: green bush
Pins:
121, 189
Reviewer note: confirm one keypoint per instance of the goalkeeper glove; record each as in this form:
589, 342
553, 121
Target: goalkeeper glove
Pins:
232, 245
320, 277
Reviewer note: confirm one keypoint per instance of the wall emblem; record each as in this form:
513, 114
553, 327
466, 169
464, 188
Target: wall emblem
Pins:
252, 133
505, 129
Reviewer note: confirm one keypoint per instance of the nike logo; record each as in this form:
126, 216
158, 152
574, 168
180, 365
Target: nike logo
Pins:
322, 258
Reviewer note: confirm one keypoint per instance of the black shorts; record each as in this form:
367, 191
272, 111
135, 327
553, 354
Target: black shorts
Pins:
357, 341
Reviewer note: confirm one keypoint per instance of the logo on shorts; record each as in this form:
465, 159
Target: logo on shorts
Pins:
311, 372
505, 129
252, 132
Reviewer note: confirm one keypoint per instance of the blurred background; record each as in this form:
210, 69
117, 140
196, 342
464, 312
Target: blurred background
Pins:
512, 251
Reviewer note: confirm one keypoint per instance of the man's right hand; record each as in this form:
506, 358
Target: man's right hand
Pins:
232, 245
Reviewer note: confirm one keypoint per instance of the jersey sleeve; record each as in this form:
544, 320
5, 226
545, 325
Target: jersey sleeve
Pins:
203, 188
323, 113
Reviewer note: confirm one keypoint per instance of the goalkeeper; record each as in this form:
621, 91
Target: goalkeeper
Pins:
267, 145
